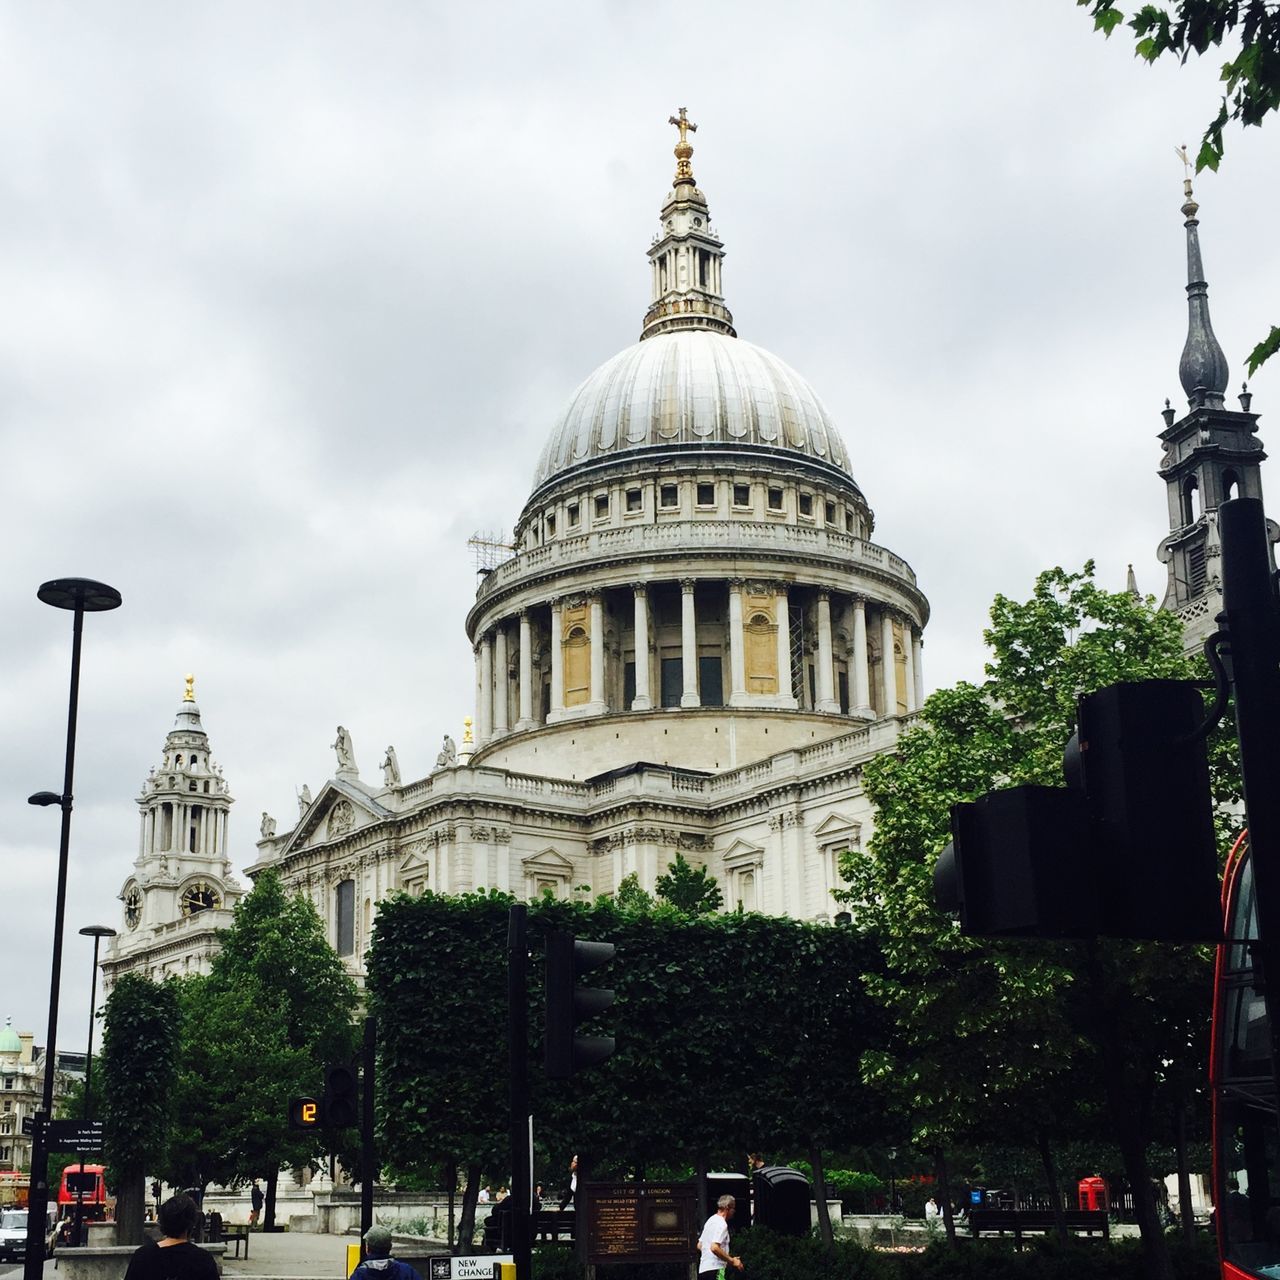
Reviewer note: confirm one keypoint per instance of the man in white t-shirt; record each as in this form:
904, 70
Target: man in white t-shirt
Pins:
714, 1241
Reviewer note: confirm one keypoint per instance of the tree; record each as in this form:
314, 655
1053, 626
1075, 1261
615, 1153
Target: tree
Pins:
692, 891
139, 1054
276, 1008
1252, 77
632, 896
989, 1035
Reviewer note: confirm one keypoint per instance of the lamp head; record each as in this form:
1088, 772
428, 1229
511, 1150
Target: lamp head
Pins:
43, 798
98, 931
81, 594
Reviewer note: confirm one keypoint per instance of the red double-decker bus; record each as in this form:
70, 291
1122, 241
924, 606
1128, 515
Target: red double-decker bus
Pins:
1246, 1136
87, 1181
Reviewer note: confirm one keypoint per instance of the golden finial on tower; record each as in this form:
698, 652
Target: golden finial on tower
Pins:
684, 148
467, 739
1187, 171
190, 694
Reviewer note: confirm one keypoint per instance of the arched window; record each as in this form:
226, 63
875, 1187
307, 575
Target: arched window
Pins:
1190, 500
1230, 485
345, 917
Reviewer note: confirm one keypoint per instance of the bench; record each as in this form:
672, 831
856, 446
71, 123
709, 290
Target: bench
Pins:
1019, 1221
236, 1232
545, 1225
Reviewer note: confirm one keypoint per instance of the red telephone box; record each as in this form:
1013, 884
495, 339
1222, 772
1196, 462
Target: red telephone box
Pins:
1092, 1193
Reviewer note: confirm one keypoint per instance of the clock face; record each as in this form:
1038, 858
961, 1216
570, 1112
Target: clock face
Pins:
132, 908
199, 897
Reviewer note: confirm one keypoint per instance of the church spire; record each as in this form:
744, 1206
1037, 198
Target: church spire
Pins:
686, 255
1203, 367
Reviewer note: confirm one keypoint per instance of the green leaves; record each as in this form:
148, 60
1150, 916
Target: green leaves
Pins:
1264, 350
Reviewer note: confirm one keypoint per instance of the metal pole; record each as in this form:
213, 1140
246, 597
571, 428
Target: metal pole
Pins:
88, 1084
1253, 626
518, 1046
368, 1165
38, 1197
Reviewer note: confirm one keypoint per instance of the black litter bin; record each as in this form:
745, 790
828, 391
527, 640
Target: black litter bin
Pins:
736, 1185
781, 1199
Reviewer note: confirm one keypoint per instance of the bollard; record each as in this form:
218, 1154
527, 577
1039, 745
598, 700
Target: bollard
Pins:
353, 1257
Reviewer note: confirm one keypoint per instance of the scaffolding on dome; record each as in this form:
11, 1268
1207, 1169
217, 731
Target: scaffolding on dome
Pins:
489, 548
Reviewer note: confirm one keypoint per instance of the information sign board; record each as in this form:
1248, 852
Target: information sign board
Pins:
640, 1221
82, 1137
474, 1267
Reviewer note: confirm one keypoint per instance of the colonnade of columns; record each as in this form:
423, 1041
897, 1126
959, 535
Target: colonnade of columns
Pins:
816, 610
211, 828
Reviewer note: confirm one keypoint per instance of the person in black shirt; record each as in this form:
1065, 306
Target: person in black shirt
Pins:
174, 1257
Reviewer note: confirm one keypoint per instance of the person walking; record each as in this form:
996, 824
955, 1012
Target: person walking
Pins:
378, 1263
256, 1201
173, 1257
714, 1241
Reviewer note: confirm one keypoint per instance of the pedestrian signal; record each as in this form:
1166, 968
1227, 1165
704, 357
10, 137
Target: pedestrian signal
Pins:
304, 1113
341, 1106
568, 1004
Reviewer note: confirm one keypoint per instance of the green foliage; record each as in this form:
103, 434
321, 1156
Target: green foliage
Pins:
701, 1000
139, 1054
999, 1037
691, 890
631, 896
257, 1031
1251, 78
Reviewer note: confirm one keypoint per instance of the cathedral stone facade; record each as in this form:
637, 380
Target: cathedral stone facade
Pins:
694, 646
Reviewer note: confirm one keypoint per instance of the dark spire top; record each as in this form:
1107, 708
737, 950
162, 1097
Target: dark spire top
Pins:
1203, 367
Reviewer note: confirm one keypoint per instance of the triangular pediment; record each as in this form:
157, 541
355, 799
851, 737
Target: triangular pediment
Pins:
548, 860
339, 809
835, 826
741, 853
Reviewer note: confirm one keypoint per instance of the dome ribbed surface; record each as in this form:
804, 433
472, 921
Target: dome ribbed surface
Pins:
690, 388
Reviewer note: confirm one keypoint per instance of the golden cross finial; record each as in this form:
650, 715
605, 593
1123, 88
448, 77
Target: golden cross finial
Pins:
190, 694
684, 148
467, 739
1187, 168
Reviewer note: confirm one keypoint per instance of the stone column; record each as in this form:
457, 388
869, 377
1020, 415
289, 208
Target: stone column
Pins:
737, 652
917, 666
911, 675
888, 664
526, 672
688, 645
598, 706
557, 665
484, 717
826, 666
642, 701
501, 682
861, 672
782, 616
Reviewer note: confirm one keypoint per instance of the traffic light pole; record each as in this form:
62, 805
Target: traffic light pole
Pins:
368, 1158
1253, 627
518, 1046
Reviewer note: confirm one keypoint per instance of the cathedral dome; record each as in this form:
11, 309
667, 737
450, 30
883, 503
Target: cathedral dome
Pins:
691, 388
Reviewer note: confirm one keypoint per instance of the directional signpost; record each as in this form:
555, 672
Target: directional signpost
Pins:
79, 1137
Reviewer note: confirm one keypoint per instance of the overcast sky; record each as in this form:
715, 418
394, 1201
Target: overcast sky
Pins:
292, 294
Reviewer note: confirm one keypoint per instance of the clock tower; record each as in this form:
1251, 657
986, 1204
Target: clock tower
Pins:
180, 892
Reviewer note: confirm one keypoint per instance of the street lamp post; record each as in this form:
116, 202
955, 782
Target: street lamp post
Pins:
893, 1155
97, 932
81, 596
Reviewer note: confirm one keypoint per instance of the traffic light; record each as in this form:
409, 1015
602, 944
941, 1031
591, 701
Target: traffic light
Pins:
341, 1103
1125, 850
304, 1113
568, 1004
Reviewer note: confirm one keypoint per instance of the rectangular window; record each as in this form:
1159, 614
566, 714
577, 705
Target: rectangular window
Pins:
628, 685
672, 681
710, 682
669, 496
706, 495
551, 526
806, 504
602, 505
345, 917
573, 515
842, 680
829, 512
775, 499
741, 495
635, 499
848, 522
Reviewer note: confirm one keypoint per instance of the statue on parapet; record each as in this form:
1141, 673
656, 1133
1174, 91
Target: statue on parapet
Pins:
304, 800
268, 827
345, 752
391, 768
448, 756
